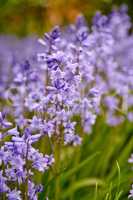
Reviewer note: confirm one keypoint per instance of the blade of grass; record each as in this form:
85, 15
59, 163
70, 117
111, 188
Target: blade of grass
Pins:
81, 184
80, 165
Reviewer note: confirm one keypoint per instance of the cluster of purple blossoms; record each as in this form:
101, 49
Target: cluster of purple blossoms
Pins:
18, 159
52, 86
114, 68
97, 62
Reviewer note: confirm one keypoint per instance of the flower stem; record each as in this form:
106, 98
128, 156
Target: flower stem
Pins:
57, 169
27, 169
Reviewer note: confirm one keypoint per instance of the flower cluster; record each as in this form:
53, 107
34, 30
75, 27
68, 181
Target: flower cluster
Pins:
52, 86
18, 159
114, 47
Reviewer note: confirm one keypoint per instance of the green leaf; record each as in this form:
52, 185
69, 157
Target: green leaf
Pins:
80, 165
81, 184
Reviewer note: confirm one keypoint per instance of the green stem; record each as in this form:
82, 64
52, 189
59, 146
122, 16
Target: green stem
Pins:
3, 194
27, 169
57, 169
76, 161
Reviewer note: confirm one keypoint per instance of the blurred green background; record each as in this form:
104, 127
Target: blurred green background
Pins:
23, 17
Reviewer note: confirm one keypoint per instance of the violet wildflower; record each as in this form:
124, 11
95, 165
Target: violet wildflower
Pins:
3, 122
14, 155
14, 195
3, 186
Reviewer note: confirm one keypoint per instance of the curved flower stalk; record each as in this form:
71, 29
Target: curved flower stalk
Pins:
69, 90
70, 86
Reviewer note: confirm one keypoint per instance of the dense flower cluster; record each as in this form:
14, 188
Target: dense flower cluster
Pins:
52, 86
17, 160
114, 63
